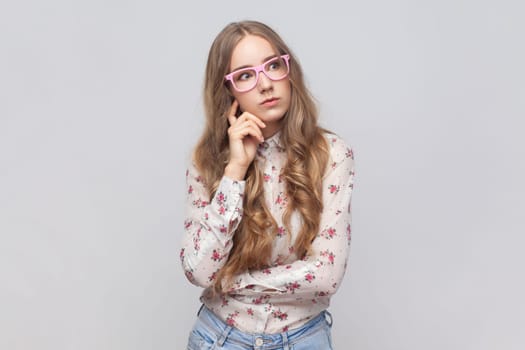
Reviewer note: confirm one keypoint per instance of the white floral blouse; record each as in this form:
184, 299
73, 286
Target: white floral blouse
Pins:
291, 291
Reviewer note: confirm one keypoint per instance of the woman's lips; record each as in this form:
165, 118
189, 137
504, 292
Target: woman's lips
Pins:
270, 102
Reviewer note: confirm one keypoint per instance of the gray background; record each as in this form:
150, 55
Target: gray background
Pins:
100, 104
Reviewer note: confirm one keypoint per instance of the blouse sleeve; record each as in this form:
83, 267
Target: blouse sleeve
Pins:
209, 226
320, 272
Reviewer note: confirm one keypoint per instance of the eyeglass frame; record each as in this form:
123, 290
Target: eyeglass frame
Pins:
258, 69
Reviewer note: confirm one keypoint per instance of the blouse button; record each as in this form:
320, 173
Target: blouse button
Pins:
259, 341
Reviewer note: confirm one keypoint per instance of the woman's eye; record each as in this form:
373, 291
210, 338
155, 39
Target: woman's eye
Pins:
274, 65
244, 76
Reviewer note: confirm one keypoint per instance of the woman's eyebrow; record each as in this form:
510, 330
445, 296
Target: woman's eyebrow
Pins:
248, 66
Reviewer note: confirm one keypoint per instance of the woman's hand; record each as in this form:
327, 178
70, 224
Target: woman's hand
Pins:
245, 135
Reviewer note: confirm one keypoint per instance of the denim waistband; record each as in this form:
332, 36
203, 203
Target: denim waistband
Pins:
264, 341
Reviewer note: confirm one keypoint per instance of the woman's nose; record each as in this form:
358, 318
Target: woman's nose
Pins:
264, 82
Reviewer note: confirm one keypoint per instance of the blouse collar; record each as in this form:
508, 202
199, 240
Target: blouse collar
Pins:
272, 143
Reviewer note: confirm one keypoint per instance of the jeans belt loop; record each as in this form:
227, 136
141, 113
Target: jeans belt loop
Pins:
285, 341
224, 335
328, 317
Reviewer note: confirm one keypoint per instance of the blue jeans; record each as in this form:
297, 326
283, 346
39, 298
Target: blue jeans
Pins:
211, 333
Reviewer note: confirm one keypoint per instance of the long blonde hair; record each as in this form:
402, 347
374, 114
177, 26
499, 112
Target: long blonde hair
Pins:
302, 138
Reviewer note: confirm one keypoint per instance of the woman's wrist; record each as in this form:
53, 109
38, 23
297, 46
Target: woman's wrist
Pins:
235, 172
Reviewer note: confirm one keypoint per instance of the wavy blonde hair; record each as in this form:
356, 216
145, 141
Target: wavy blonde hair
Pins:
302, 138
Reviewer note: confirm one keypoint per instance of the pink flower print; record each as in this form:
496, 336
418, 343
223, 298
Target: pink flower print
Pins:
330, 255
206, 216
187, 224
280, 178
285, 328
291, 249
182, 255
279, 314
222, 210
230, 320
281, 200
349, 233
216, 256
223, 229
280, 231
220, 197
266, 177
189, 276
212, 277
196, 244
198, 178
198, 233
190, 189
187, 172
249, 311
199, 203
349, 153
309, 277
267, 271
260, 300
224, 301
333, 189
292, 286
329, 233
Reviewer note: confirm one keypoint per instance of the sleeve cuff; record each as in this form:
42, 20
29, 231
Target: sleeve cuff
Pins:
227, 203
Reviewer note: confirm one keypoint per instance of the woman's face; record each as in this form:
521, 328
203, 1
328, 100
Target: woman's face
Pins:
269, 100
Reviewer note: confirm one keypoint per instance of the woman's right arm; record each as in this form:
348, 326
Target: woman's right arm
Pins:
209, 226
211, 223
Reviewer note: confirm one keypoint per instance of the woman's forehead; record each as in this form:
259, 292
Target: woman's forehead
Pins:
250, 51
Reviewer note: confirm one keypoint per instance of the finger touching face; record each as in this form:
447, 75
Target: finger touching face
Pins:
233, 108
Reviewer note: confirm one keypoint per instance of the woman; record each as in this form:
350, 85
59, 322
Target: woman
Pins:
267, 232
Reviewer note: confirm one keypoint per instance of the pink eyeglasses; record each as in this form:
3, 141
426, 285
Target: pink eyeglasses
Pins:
245, 79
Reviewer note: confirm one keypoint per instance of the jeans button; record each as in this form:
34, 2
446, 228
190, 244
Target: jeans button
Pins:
259, 341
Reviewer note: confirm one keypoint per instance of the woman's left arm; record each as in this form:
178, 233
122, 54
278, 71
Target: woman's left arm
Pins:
321, 271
